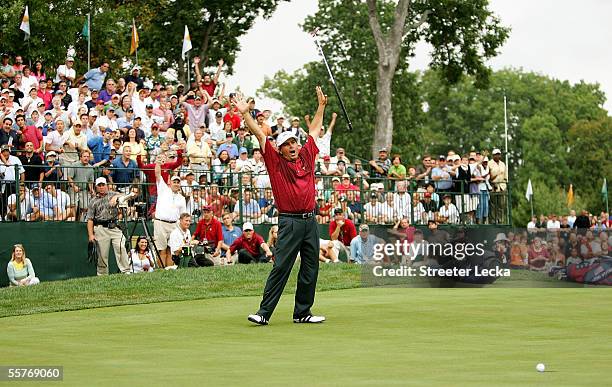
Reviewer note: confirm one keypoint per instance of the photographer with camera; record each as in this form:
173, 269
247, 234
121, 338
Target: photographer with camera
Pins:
209, 234
102, 227
180, 241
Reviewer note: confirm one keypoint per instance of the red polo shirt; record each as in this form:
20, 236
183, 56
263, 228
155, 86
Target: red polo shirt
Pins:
252, 246
210, 231
34, 135
218, 203
235, 120
347, 232
293, 181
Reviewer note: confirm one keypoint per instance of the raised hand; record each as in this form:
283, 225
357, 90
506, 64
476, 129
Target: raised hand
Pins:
334, 115
240, 103
322, 98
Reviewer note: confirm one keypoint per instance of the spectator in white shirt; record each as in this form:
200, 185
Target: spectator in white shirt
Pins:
65, 72
374, 211
448, 211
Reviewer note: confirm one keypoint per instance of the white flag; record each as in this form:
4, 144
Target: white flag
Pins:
186, 43
529, 192
25, 24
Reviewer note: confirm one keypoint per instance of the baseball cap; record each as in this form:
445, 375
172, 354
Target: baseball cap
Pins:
346, 176
109, 130
70, 59
259, 114
338, 211
100, 180
58, 92
243, 150
326, 157
280, 116
219, 114
441, 157
295, 119
206, 208
149, 106
496, 151
427, 194
135, 68
335, 178
94, 90
247, 226
364, 227
5, 148
175, 177
93, 113
52, 153
229, 134
383, 149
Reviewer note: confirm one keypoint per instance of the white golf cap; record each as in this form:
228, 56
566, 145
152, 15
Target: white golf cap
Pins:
496, 151
247, 226
69, 59
175, 177
100, 180
285, 136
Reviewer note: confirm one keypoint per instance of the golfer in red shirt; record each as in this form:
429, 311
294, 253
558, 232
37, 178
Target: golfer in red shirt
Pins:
291, 168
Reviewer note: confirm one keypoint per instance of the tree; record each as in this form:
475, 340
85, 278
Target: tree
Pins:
463, 35
214, 26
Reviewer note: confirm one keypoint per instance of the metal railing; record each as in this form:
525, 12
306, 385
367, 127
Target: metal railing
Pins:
55, 197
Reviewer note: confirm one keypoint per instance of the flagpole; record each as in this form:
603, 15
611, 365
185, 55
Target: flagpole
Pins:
88, 41
531, 201
506, 136
188, 74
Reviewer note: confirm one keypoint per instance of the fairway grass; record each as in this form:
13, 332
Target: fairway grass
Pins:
195, 284
381, 336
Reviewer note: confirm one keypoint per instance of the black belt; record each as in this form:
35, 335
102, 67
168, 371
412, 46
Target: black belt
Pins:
304, 215
105, 223
166, 221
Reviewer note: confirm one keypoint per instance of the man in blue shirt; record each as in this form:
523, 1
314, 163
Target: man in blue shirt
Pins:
101, 146
228, 146
362, 246
441, 176
230, 233
94, 78
125, 170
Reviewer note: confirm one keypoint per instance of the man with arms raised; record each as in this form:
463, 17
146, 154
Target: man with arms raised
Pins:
291, 169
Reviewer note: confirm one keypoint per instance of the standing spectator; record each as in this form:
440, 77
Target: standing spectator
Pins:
448, 211
29, 133
207, 83
423, 171
198, 151
440, 174
20, 270
380, 167
18, 66
248, 208
9, 137
125, 171
95, 77
198, 113
170, 204
582, 222
66, 73
44, 94
397, 171
81, 178
279, 127
251, 247
32, 164
6, 69
39, 72
75, 141
8, 166
241, 141
135, 77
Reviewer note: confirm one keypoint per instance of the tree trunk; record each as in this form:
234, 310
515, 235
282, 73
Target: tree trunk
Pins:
383, 132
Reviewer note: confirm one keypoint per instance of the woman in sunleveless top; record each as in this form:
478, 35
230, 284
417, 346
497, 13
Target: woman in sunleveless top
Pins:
141, 256
20, 270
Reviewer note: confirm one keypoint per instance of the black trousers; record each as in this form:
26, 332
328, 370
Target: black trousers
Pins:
245, 257
294, 235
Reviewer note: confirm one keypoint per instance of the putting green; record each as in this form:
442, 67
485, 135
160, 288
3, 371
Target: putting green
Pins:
372, 337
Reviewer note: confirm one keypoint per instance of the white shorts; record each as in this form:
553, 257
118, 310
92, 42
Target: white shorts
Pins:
161, 233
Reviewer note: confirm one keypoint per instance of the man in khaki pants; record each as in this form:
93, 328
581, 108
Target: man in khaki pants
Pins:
102, 227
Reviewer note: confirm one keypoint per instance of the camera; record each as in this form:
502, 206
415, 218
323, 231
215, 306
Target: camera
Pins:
141, 208
197, 212
186, 251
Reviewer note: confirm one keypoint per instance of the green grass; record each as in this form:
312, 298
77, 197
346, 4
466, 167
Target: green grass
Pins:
381, 336
193, 284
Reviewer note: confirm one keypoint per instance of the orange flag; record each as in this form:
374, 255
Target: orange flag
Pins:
570, 196
135, 39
